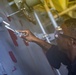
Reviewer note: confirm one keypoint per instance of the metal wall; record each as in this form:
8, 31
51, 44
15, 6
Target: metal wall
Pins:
29, 58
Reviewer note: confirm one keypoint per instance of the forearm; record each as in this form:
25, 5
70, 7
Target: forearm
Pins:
32, 38
43, 44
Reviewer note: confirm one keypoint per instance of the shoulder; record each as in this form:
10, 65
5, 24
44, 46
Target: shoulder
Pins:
54, 56
54, 50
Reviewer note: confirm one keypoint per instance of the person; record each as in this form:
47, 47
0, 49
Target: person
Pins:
65, 50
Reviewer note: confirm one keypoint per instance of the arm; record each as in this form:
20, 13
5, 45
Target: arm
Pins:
43, 44
32, 38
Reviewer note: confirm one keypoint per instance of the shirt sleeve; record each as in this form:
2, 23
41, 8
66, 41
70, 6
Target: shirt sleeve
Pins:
54, 56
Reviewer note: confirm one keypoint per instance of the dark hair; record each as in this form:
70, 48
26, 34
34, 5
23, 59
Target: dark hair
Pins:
71, 25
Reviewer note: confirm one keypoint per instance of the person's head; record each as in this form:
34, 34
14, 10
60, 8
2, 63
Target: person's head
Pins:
68, 39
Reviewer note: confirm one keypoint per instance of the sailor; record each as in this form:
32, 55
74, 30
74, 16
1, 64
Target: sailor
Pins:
65, 50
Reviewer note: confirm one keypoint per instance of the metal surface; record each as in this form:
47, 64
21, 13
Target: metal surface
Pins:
31, 59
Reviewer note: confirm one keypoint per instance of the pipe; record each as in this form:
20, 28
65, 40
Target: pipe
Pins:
15, 12
51, 4
50, 16
41, 26
65, 11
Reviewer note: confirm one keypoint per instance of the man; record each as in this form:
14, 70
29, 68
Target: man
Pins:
65, 52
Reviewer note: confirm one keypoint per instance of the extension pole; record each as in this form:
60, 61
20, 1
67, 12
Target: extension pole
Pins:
50, 15
41, 26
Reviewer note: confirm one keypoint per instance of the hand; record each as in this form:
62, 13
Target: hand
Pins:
29, 36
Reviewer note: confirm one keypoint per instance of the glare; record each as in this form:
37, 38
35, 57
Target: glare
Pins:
6, 23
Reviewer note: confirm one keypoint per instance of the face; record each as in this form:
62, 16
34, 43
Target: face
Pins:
63, 41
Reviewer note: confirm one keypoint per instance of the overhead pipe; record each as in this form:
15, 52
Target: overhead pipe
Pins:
51, 4
65, 11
